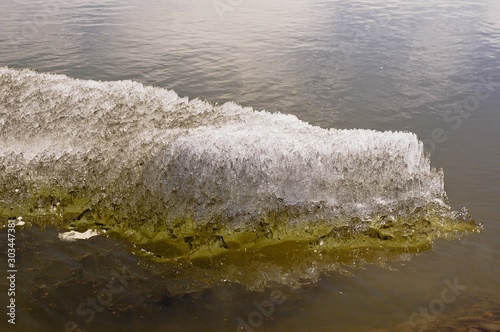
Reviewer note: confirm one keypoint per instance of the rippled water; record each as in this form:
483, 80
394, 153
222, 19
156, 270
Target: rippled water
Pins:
385, 65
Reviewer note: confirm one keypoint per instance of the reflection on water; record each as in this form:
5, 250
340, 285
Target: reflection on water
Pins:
366, 64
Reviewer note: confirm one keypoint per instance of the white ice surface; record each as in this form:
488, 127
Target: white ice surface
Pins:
122, 140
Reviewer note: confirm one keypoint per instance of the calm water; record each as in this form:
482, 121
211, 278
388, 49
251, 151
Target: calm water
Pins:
430, 68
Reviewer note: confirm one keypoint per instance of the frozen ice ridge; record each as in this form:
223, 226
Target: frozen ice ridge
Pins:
131, 153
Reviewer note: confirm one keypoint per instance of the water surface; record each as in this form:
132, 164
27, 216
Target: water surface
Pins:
384, 65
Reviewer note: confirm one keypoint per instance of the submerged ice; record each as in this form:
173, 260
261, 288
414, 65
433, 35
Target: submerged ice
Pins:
125, 155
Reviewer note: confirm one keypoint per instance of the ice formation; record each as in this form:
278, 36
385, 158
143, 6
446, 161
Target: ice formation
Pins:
123, 153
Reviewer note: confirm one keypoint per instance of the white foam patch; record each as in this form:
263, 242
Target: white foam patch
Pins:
72, 236
20, 222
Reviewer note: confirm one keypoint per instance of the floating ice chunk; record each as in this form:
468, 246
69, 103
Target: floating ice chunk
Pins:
20, 221
188, 179
138, 153
72, 236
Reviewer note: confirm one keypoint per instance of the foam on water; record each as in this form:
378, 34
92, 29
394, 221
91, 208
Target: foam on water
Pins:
131, 157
